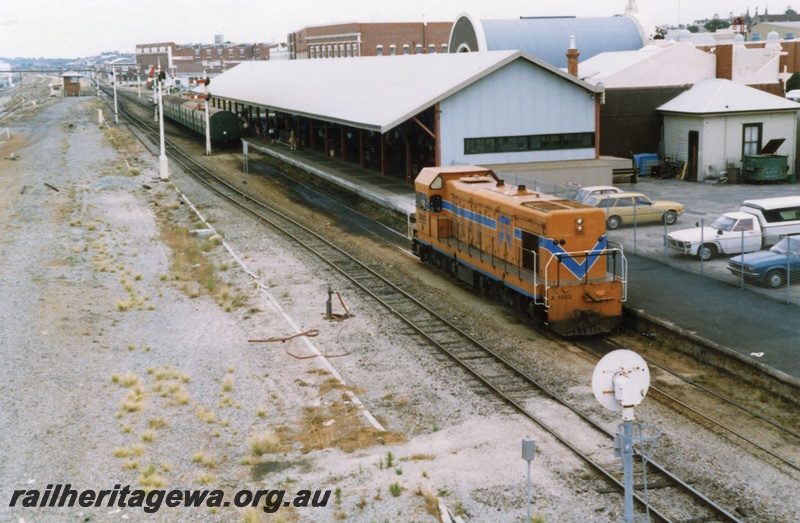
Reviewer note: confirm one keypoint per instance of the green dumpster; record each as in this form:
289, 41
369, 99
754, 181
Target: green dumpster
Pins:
767, 166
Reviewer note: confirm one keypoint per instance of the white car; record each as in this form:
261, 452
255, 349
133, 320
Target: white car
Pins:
594, 190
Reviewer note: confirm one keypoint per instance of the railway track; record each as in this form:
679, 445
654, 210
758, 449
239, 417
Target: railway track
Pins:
504, 379
508, 382
24, 96
747, 423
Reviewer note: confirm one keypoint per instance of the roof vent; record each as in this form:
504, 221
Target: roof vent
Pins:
500, 183
521, 188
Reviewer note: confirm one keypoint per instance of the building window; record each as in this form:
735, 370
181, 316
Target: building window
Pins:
533, 142
751, 138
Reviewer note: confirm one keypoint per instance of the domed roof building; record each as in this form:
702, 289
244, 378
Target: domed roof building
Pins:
547, 38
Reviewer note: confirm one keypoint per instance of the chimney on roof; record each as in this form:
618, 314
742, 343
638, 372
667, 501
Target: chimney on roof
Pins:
572, 57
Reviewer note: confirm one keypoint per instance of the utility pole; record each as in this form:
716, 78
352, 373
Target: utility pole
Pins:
114, 83
207, 97
162, 159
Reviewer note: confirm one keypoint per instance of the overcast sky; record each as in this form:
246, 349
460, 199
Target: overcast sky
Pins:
78, 28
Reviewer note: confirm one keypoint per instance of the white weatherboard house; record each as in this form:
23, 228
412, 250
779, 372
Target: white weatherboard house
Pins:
715, 123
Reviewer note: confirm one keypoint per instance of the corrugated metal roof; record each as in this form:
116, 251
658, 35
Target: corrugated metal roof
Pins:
608, 63
668, 65
724, 96
375, 93
548, 38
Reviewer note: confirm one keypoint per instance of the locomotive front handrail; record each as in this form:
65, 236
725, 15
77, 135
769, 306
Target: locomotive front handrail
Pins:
558, 258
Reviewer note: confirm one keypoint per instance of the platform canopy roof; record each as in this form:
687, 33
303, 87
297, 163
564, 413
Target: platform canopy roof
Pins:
376, 93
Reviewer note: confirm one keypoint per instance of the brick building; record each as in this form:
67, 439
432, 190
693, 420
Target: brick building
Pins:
194, 59
368, 39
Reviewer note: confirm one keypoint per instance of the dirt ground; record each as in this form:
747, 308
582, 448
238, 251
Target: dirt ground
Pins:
128, 359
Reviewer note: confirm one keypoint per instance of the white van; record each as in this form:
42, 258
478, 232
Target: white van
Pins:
777, 216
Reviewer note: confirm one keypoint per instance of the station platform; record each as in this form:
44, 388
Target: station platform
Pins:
753, 327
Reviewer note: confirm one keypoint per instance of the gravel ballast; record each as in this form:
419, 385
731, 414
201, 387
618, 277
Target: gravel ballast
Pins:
119, 369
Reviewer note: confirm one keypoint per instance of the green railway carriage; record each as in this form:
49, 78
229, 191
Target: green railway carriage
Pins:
191, 114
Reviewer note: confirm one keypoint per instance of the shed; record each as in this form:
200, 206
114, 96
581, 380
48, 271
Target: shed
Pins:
713, 125
636, 83
71, 82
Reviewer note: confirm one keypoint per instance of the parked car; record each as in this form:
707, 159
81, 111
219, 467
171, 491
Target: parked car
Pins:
770, 267
731, 233
758, 225
624, 207
595, 190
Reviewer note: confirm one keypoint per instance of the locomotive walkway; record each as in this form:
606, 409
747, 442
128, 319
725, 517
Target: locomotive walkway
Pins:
757, 329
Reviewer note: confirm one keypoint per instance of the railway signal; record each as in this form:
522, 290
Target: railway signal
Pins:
620, 382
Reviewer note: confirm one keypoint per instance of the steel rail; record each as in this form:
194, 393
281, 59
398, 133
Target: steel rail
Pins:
726, 400
368, 279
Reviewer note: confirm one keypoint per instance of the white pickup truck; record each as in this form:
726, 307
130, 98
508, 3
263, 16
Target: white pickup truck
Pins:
726, 235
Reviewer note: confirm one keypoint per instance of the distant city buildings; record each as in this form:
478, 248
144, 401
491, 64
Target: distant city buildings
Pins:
195, 60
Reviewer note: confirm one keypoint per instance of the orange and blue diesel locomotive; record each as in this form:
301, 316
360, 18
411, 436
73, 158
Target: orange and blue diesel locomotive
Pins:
547, 256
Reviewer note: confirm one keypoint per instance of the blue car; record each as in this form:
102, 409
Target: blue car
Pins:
770, 267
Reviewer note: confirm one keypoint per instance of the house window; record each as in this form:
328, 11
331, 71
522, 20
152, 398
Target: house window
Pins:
751, 138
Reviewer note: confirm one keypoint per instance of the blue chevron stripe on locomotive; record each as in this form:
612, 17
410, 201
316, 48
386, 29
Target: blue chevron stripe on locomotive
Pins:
578, 268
